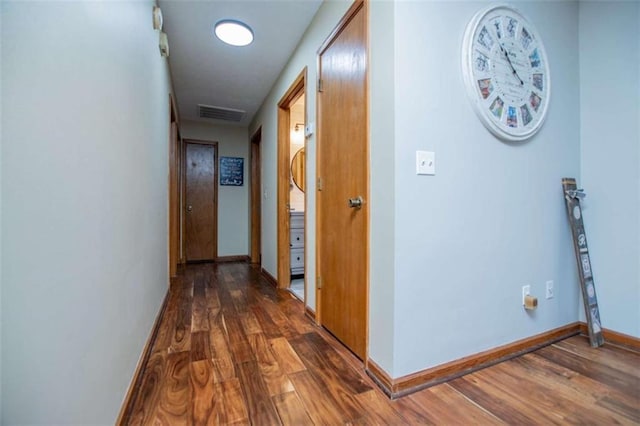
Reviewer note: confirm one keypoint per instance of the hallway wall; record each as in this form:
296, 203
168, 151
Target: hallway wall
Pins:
233, 201
85, 131
493, 218
0, 221
610, 148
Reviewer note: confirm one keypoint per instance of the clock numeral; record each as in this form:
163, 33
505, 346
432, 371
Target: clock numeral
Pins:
485, 39
482, 62
512, 117
486, 87
496, 107
512, 24
525, 38
535, 101
497, 25
534, 59
537, 82
526, 115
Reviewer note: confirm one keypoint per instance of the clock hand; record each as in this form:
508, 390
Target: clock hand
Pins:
506, 55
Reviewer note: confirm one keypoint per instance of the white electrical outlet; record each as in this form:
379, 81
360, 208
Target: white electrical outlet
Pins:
549, 292
425, 163
526, 290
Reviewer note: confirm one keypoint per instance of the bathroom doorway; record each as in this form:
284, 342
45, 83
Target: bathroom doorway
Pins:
297, 196
291, 200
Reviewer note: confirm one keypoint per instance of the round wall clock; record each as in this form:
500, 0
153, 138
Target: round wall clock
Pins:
506, 72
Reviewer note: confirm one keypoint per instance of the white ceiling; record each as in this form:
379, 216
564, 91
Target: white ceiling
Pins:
207, 71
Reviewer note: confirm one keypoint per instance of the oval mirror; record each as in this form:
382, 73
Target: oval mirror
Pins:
297, 169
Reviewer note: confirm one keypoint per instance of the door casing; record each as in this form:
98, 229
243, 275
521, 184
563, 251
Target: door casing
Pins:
294, 92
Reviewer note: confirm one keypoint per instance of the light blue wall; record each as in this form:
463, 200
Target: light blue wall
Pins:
382, 183
0, 217
85, 130
610, 136
493, 218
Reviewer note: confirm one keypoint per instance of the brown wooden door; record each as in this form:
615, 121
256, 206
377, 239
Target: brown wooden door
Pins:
201, 202
343, 172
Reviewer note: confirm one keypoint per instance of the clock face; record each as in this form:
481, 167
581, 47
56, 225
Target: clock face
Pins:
506, 72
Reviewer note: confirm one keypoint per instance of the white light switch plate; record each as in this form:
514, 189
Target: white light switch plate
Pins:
425, 163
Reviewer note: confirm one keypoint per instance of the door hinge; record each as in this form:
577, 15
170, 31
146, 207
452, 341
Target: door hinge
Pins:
320, 88
319, 282
319, 184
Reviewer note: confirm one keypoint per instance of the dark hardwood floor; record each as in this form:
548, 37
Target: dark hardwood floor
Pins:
232, 349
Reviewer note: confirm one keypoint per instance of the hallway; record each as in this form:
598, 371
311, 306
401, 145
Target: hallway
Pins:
233, 349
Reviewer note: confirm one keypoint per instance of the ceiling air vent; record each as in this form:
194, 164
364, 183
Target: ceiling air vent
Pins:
220, 113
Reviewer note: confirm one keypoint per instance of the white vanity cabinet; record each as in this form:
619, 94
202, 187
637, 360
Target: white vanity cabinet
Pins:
296, 242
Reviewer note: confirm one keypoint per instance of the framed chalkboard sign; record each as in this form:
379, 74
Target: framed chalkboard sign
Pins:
231, 171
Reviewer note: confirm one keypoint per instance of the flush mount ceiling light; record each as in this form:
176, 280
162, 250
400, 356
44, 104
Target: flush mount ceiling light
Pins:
232, 32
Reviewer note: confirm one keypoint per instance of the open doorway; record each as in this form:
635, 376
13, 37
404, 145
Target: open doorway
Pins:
297, 196
256, 190
291, 122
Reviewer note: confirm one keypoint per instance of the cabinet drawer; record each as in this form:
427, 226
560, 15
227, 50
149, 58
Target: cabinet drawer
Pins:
297, 258
297, 238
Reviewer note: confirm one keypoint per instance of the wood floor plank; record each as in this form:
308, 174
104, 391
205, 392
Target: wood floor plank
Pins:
277, 316
597, 371
250, 323
167, 323
203, 386
602, 403
236, 339
272, 374
223, 369
211, 297
261, 409
199, 313
230, 406
616, 357
503, 395
291, 410
174, 405
268, 327
549, 386
200, 347
217, 336
319, 405
444, 405
294, 310
239, 301
286, 356
324, 362
181, 339
149, 392
379, 410
414, 413
232, 349
328, 378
